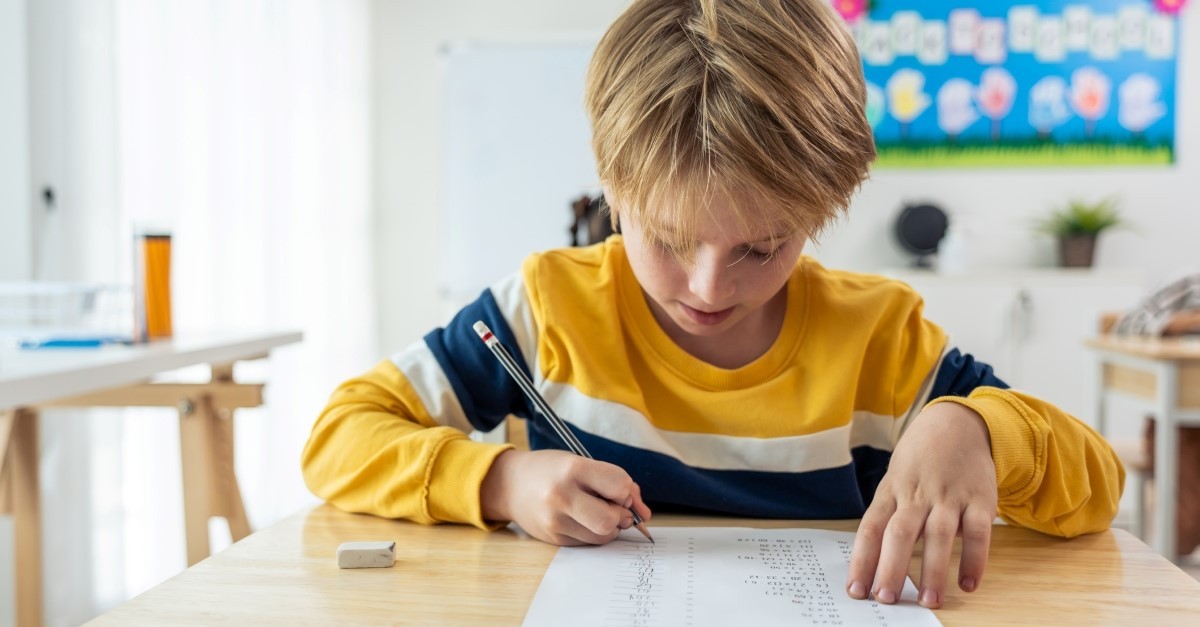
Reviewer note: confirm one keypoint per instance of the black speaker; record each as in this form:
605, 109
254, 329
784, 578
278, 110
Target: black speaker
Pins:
919, 229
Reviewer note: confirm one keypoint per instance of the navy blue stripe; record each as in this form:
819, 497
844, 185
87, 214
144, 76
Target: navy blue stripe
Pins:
960, 374
484, 388
842, 492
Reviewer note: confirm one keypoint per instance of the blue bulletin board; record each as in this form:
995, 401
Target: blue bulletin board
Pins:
997, 83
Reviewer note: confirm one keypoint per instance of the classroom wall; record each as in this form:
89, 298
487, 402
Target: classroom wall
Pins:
407, 37
998, 205
14, 150
73, 148
14, 208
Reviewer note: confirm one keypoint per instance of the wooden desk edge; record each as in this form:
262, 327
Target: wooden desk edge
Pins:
1172, 349
1109, 576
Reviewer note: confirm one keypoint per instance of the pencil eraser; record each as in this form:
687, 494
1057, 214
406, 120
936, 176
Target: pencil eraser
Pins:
366, 554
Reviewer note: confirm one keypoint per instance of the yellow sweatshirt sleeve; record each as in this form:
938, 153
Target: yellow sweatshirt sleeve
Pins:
1054, 473
376, 450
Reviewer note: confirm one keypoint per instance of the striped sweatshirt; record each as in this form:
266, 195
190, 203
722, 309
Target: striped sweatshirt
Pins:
804, 431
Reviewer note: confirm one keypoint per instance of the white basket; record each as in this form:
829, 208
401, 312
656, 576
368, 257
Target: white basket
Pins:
35, 310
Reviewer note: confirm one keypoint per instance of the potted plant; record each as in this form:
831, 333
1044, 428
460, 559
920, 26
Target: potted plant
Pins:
1077, 225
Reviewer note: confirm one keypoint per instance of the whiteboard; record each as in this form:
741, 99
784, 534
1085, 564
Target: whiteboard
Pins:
516, 151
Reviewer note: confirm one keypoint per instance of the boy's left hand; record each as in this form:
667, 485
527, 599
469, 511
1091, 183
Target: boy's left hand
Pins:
941, 482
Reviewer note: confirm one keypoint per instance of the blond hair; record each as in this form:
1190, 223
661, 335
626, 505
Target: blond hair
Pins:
760, 100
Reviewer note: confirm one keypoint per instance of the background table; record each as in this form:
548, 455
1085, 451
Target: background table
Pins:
1163, 376
120, 376
459, 575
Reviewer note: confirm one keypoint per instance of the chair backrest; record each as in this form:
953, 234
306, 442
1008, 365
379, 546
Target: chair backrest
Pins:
589, 215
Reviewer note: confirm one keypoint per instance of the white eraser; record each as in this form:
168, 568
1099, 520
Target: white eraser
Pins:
366, 554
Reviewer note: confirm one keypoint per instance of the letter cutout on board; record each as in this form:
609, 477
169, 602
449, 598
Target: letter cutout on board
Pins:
905, 26
931, 47
1104, 38
1022, 28
964, 24
990, 48
1131, 27
1078, 19
1051, 40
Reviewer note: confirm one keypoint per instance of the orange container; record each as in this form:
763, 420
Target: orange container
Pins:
152, 286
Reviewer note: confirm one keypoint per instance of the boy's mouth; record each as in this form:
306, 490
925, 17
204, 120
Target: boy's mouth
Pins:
706, 318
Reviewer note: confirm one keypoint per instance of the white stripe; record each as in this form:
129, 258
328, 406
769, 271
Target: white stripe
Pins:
513, 302
803, 453
922, 396
433, 388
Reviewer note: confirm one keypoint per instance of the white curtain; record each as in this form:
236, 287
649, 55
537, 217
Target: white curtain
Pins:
244, 127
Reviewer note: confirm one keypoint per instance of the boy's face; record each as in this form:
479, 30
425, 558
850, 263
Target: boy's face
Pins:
721, 292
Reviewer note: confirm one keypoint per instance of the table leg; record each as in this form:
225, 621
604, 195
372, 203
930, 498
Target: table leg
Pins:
210, 485
195, 440
1166, 462
227, 500
20, 496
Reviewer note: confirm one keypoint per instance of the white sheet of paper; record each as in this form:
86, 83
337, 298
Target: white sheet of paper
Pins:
697, 576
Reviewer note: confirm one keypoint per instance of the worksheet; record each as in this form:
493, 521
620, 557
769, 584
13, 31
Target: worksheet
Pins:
695, 576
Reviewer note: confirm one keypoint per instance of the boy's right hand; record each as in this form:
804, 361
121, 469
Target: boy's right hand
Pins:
561, 498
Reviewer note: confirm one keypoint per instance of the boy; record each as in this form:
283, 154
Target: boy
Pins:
708, 363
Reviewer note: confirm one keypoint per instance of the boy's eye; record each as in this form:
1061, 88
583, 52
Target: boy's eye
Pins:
762, 256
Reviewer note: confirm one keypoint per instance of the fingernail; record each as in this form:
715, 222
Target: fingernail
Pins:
626, 523
929, 598
857, 590
629, 502
967, 583
886, 596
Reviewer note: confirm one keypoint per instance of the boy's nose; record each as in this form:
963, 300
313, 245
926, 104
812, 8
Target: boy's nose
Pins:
709, 280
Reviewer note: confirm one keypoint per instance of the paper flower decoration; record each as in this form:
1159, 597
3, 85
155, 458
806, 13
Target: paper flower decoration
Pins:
1170, 7
997, 90
1137, 103
1090, 93
876, 102
906, 96
850, 10
1048, 104
955, 110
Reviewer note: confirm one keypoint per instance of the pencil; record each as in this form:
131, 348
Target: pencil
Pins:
556, 423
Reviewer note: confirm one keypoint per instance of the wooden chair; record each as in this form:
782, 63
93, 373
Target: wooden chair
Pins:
516, 433
1138, 474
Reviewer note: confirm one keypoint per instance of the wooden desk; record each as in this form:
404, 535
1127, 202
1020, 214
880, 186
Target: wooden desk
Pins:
458, 575
1164, 376
119, 376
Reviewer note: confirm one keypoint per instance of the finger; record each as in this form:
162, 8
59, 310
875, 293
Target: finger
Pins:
976, 539
898, 541
940, 529
599, 516
612, 483
867, 543
605, 480
577, 531
554, 531
638, 505
559, 539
